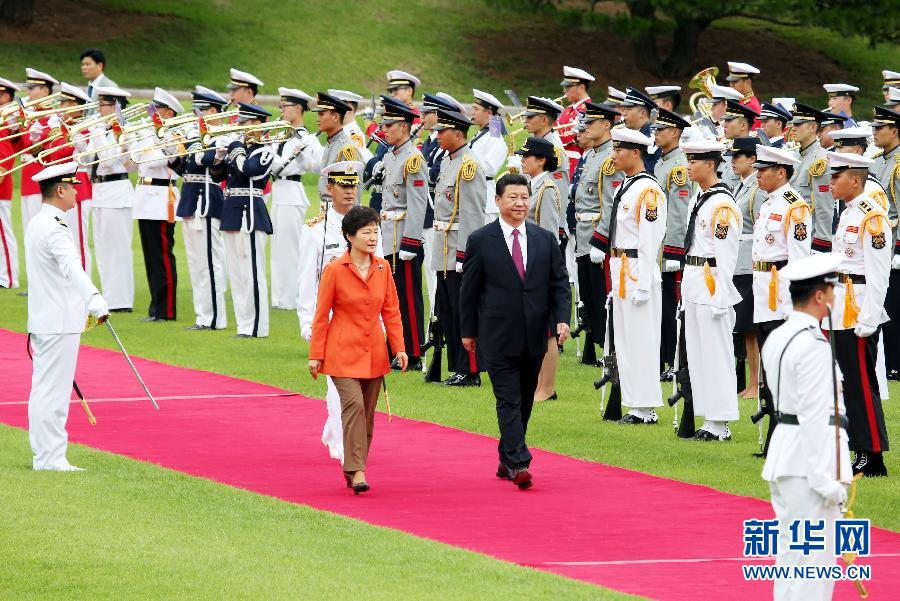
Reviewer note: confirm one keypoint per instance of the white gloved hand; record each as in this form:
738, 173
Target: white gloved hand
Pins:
306, 332
834, 492
639, 297
597, 255
405, 255
12, 121
54, 121
671, 265
863, 330
895, 262
34, 134
718, 312
221, 151
97, 306
378, 168
459, 267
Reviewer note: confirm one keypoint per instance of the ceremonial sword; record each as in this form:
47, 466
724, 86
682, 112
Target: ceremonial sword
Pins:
130, 362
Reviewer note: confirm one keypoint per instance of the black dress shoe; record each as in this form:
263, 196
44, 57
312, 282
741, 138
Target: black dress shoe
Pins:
149, 318
242, 336
667, 375
634, 420
414, 365
894, 375
360, 487
121, 310
463, 380
870, 465
707, 436
197, 326
521, 477
504, 472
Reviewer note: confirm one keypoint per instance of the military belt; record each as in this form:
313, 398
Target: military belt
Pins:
193, 178
444, 226
768, 265
631, 253
243, 191
393, 215
699, 261
854, 277
586, 216
291, 178
790, 419
152, 181
113, 177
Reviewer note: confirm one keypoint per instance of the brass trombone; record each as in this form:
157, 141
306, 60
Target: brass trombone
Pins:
511, 118
13, 107
86, 124
175, 123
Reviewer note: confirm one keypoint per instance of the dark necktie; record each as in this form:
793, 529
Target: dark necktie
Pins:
517, 255
692, 222
615, 211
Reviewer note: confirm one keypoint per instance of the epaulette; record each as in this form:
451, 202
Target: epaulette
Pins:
609, 166
317, 219
348, 153
413, 164
818, 168
792, 197
879, 197
721, 217
357, 139
560, 157
468, 168
650, 199
678, 176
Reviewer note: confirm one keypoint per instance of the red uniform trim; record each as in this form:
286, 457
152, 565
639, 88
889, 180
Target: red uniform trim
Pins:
170, 284
411, 306
867, 395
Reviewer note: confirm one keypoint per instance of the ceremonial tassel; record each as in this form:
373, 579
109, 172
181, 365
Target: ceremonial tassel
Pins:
851, 309
622, 269
710, 280
171, 203
773, 289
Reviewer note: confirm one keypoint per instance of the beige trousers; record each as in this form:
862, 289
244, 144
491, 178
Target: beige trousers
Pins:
359, 396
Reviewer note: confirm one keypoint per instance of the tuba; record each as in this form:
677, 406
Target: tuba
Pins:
703, 81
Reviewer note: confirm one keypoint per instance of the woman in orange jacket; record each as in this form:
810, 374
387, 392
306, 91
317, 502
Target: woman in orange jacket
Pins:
355, 291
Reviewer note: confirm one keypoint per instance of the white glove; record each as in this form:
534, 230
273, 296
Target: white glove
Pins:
671, 265
864, 331
718, 312
640, 297
895, 262
459, 267
306, 332
378, 168
97, 307
597, 255
34, 134
12, 121
54, 121
514, 163
221, 151
834, 492
405, 255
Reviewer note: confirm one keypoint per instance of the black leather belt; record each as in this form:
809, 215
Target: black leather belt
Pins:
114, 177
854, 277
699, 261
152, 181
631, 253
291, 178
768, 265
790, 419
489, 178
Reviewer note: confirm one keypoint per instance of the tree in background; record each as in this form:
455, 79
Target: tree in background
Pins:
16, 12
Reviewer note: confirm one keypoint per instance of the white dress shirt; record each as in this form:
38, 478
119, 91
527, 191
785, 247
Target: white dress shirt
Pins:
508, 238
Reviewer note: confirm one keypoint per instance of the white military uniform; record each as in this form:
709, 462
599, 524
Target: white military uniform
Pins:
708, 297
639, 211
782, 232
491, 153
359, 140
800, 464
112, 223
9, 249
58, 289
289, 204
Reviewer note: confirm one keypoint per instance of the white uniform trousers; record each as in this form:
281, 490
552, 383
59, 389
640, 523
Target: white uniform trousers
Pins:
287, 222
245, 255
54, 357
637, 332
710, 350
430, 275
793, 499
31, 206
9, 250
333, 432
112, 233
77, 221
205, 251
881, 370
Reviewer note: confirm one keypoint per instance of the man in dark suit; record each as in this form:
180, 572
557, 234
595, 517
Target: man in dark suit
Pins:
515, 288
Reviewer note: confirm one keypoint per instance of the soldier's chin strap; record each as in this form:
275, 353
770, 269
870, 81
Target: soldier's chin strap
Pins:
91, 419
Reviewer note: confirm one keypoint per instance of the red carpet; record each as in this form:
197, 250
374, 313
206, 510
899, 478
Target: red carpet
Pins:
609, 526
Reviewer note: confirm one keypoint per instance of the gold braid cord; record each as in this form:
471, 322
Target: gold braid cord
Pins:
413, 164
466, 172
796, 213
721, 217
879, 197
651, 198
678, 176
540, 198
850, 557
851, 309
348, 153
606, 170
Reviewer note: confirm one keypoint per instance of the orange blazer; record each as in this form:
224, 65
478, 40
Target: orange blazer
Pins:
351, 344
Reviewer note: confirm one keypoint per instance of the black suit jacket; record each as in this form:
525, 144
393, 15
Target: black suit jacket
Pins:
508, 316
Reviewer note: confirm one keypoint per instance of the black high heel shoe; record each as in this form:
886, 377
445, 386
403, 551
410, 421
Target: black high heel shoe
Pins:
349, 479
360, 487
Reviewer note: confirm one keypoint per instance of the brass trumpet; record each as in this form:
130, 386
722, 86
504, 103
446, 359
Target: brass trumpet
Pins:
511, 118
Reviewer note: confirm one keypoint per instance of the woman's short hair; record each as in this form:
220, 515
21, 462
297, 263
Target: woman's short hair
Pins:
358, 218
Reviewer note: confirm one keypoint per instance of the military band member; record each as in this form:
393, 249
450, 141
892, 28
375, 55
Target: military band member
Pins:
489, 148
804, 480
841, 97
200, 208
458, 211
862, 241
891, 80
242, 87
576, 84
615, 98
245, 225
737, 122
38, 85
339, 147
740, 77
672, 174
749, 198
402, 86
892, 100
112, 202
708, 292
666, 97
594, 194
350, 125
781, 234
295, 157
404, 198
60, 298
155, 200
810, 178
830, 124
711, 127
636, 231
773, 119
9, 250
636, 109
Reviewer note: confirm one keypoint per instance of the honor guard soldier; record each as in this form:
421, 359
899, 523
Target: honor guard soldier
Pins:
245, 225
891, 80
773, 119
458, 211
830, 124
322, 241
38, 85
540, 116
488, 144
808, 466
404, 198
666, 97
156, 197
636, 231
749, 198
295, 157
350, 125
711, 127
200, 208
9, 252
339, 147
810, 178
781, 234
636, 109
60, 299
892, 99
863, 243
615, 98
708, 292
886, 168
242, 87
841, 97
737, 120
594, 194
672, 174
575, 83
113, 199
740, 77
